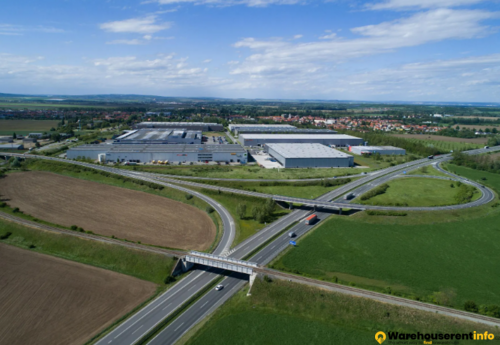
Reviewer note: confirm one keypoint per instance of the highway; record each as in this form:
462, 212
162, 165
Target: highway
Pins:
136, 327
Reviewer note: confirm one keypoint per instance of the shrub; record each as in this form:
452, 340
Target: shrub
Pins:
31, 246
73, 227
268, 279
169, 279
6, 235
81, 230
374, 192
3, 204
471, 306
189, 196
16, 210
209, 209
386, 213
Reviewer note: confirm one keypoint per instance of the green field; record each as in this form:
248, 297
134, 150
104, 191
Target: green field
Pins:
25, 127
425, 255
417, 191
429, 171
446, 146
71, 170
287, 313
143, 265
34, 106
247, 226
304, 189
248, 171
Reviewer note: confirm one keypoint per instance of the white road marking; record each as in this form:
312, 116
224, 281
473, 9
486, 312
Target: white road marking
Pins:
204, 304
137, 329
175, 330
273, 247
191, 287
166, 306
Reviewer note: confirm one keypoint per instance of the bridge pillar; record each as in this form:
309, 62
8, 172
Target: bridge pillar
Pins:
251, 280
181, 266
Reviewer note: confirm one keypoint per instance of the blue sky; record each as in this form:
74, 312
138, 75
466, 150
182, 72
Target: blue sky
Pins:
407, 50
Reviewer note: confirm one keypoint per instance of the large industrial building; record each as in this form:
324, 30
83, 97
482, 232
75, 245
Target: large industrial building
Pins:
160, 136
148, 153
309, 156
381, 150
293, 130
192, 126
337, 140
237, 127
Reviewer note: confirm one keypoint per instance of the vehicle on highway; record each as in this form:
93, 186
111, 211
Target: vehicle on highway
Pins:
349, 196
219, 287
311, 219
486, 147
291, 234
430, 157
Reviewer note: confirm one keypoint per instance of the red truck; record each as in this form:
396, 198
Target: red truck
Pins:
311, 219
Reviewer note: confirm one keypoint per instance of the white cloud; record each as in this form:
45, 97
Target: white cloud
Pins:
278, 57
296, 37
148, 37
144, 25
207, 61
406, 4
18, 30
249, 3
162, 72
134, 41
328, 37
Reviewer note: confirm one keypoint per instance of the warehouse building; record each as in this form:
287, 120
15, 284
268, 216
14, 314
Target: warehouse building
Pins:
381, 150
172, 153
309, 156
11, 146
293, 130
235, 128
192, 126
336, 140
160, 136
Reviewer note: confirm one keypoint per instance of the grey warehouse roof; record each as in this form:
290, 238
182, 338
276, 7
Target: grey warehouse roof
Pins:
160, 148
306, 151
187, 124
259, 125
297, 136
159, 134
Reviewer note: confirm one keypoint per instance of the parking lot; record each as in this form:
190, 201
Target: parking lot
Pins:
265, 160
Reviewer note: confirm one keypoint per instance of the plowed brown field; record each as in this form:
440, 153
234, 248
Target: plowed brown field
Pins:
108, 210
50, 301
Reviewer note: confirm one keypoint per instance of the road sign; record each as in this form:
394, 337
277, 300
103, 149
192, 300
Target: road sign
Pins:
293, 243
404, 172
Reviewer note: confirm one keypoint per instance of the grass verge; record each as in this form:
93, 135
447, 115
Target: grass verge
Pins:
280, 312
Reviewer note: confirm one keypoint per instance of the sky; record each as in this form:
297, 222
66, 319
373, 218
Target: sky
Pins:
380, 50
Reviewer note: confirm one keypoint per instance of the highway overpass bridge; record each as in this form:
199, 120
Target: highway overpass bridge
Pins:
216, 261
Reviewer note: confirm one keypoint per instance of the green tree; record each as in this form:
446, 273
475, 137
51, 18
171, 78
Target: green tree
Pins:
241, 210
14, 136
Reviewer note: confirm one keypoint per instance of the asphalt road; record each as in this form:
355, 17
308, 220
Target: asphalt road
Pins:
146, 319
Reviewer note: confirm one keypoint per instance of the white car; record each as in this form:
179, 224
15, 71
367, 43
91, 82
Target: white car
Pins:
219, 287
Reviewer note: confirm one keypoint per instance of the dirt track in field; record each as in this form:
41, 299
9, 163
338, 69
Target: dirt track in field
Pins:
50, 301
442, 138
108, 210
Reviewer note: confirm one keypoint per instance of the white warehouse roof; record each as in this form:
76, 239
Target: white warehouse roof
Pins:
297, 136
306, 151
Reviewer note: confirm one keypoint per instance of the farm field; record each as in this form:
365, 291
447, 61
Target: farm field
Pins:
140, 264
281, 312
446, 143
47, 300
25, 127
109, 211
27, 105
417, 191
248, 172
444, 256
479, 126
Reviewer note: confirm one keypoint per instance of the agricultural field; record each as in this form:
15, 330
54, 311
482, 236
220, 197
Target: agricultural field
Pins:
47, 300
418, 191
25, 127
281, 312
478, 127
35, 106
445, 143
248, 171
444, 257
108, 211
